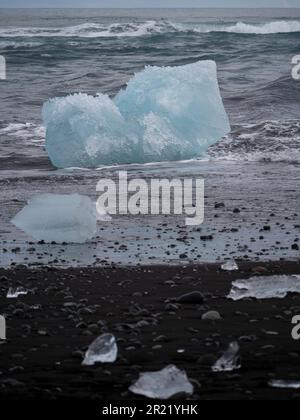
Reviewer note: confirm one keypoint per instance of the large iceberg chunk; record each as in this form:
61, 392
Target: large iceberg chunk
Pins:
165, 113
58, 218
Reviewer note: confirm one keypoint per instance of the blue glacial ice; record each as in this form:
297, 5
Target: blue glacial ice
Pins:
164, 114
58, 218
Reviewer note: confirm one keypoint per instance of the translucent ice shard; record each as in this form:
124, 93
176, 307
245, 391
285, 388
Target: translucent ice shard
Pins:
265, 287
230, 266
104, 349
163, 384
285, 384
230, 360
165, 113
58, 218
15, 293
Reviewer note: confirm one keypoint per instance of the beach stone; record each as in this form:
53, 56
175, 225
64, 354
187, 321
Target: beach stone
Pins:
211, 316
78, 354
192, 297
170, 307
259, 270
12, 382
206, 237
183, 256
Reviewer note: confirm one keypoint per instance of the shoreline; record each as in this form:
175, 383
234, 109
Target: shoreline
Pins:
49, 329
247, 216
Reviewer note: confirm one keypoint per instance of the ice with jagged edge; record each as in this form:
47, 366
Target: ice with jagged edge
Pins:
164, 114
58, 218
14, 293
265, 287
230, 360
102, 350
163, 384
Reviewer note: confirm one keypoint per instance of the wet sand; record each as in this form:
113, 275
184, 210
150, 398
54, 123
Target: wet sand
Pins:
49, 330
251, 213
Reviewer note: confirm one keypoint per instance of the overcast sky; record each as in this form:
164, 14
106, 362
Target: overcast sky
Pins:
150, 3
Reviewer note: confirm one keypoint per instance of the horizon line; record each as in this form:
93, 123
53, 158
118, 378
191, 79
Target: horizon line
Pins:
150, 8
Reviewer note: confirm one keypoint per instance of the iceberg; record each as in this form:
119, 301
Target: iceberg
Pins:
265, 287
58, 218
164, 114
104, 350
163, 384
230, 360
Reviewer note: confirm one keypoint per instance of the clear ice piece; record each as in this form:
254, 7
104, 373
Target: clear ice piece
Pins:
163, 384
102, 350
265, 287
58, 218
230, 266
164, 114
285, 384
14, 293
230, 360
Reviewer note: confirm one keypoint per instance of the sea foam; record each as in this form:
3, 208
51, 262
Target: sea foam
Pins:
149, 27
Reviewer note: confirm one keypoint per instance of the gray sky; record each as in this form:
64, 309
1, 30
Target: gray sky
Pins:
150, 3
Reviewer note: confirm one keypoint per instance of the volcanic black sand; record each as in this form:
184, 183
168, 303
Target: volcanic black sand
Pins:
49, 330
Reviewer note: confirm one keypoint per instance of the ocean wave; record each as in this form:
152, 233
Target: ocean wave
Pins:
275, 27
16, 44
136, 29
267, 141
30, 133
90, 30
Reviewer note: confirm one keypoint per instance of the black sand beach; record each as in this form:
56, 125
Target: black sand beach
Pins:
128, 277
49, 330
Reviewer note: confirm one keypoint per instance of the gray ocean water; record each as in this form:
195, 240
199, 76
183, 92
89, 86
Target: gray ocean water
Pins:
57, 52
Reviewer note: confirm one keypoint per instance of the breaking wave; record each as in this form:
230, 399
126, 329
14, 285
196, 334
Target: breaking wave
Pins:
275, 27
136, 29
89, 30
31, 133
267, 141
